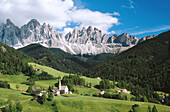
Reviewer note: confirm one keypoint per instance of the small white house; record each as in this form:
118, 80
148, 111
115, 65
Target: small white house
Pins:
102, 92
98, 78
125, 91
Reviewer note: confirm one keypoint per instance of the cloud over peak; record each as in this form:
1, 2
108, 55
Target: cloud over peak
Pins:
58, 13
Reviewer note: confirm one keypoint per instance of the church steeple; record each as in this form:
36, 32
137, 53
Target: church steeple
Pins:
59, 86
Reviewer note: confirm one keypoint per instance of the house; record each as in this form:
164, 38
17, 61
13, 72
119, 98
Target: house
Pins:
123, 91
61, 89
21, 89
102, 92
38, 92
118, 91
98, 78
38, 69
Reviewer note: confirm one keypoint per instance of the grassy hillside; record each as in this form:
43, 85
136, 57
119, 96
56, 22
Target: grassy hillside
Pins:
62, 61
145, 65
77, 103
54, 58
56, 73
74, 103
13, 95
13, 62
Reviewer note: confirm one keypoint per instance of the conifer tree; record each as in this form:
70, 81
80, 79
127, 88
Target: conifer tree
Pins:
154, 109
50, 96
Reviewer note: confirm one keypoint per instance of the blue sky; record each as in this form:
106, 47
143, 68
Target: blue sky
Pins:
137, 17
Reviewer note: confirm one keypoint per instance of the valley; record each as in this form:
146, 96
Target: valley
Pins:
78, 102
84, 56
91, 80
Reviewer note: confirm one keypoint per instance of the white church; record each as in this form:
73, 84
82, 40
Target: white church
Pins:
61, 89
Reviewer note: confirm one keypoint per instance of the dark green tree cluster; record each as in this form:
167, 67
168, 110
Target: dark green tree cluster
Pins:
88, 85
30, 90
167, 100
106, 84
135, 108
111, 96
93, 60
4, 84
13, 62
142, 94
72, 80
42, 76
154, 109
142, 69
50, 96
42, 99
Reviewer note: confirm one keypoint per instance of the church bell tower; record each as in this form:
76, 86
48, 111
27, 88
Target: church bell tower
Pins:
59, 86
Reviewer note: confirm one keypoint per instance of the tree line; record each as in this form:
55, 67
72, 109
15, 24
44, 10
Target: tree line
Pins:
142, 69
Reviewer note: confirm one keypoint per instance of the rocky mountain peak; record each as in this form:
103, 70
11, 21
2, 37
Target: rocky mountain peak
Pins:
146, 38
75, 30
33, 24
44, 25
125, 34
9, 23
90, 29
84, 30
84, 41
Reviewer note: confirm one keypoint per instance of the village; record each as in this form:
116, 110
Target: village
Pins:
61, 89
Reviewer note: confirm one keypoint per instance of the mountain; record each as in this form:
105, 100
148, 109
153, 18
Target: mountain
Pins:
57, 58
146, 65
63, 61
13, 62
85, 41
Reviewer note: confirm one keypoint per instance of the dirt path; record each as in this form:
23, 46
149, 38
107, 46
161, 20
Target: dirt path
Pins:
16, 102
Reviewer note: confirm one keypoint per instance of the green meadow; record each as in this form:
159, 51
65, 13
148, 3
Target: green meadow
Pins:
88, 104
56, 73
82, 102
13, 95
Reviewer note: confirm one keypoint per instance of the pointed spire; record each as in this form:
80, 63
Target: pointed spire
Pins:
8, 22
90, 28
59, 86
33, 22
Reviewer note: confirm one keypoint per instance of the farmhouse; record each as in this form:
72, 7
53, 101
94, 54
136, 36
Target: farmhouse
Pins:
38, 69
39, 91
123, 91
98, 78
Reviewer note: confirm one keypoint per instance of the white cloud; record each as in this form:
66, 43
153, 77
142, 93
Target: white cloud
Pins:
112, 32
54, 12
58, 13
116, 14
67, 30
130, 5
86, 17
152, 30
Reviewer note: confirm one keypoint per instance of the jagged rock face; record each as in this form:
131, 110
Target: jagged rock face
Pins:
85, 41
82, 37
9, 33
146, 38
126, 40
